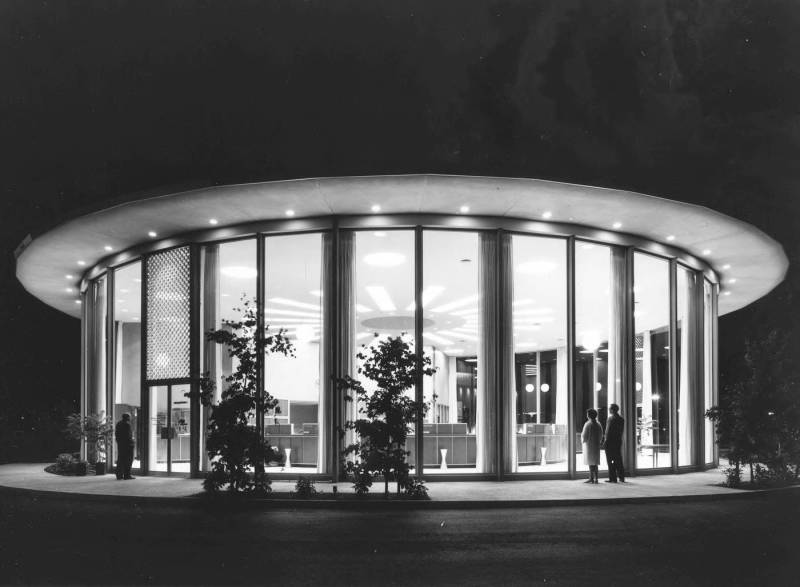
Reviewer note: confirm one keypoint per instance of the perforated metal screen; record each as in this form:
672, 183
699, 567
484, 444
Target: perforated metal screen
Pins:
168, 314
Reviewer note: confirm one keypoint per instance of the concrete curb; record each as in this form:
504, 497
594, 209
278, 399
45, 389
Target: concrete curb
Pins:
369, 504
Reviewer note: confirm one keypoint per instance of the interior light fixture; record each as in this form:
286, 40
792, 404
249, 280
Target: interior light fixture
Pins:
293, 303
545, 387
671, 237
464, 209
726, 293
290, 213
547, 214
77, 301
239, 272
381, 298
152, 234
375, 208
69, 276
732, 280
384, 259
587, 246
656, 397
638, 386
529, 387
460, 303
81, 263
706, 252
617, 225
379, 234
108, 248
726, 266
69, 290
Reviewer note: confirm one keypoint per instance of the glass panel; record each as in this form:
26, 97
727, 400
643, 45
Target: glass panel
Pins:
708, 364
168, 314
651, 344
594, 296
180, 429
228, 277
97, 369
159, 427
128, 343
451, 333
384, 295
540, 351
686, 354
294, 303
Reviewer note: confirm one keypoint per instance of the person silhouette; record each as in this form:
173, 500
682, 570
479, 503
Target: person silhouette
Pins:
615, 427
592, 438
123, 433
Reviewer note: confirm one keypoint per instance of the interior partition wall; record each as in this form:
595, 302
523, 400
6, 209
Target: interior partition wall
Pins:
526, 333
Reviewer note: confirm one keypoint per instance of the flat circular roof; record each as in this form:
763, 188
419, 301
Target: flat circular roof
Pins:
748, 262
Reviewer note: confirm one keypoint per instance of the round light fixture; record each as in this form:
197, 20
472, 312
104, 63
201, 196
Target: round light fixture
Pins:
290, 213
464, 209
152, 234
726, 266
239, 272
213, 221
529, 388
732, 280
108, 248
81, 263
384, 259
671, 237
617, 225
706, 252
547, 215
545, 387
598, 386
77, 301
69, 276
638, 386
375, 208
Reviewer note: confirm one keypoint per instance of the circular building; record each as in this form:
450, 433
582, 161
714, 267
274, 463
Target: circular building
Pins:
535, 301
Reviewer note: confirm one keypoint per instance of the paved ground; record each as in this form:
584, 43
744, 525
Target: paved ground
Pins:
74, 539
697, 485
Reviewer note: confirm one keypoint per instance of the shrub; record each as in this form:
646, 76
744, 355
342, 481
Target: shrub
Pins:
415, 488
304, 488
65, 462
733, 476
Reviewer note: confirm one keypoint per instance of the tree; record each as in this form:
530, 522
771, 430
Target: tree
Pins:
96, 430
758, 417
234, 445
387, 411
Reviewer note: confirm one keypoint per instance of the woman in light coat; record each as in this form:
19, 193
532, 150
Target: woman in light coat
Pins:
592, 438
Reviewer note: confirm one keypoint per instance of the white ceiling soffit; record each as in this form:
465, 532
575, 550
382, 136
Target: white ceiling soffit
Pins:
757, 262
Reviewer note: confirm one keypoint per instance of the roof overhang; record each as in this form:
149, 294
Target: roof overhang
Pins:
756, 262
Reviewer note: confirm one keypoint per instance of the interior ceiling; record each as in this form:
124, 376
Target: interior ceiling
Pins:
385, 263
750, 263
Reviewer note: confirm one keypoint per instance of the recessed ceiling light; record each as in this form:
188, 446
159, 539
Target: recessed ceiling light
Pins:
290, 213
671, 237
732, 280
376, 208
69, 276
384, 259
77, 301
706, 252
547, 214
108, 248
726, 293
213, 221
464, 209
81, 263
152, 234
617, 225
69, 290
726, 266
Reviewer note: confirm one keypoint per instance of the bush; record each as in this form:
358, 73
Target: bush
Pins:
65, 462
304, 488
416, 489
733, 476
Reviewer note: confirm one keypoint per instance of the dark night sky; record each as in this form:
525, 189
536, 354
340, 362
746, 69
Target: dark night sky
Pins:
690, 100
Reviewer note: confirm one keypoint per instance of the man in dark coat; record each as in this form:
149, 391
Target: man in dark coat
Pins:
615, 428
123, 433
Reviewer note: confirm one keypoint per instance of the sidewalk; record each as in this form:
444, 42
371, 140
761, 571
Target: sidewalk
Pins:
687, 486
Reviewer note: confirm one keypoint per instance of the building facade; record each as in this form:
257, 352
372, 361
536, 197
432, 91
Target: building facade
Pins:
534, 301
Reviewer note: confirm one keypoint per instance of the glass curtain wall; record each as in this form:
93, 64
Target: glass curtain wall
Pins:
451, 303
687, 355
293, 302
228, 279
127, 391
651, 351
539, 317
382, 304
597, 383
708, 368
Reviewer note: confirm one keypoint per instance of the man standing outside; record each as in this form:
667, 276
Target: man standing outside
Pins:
615, 427
123, 433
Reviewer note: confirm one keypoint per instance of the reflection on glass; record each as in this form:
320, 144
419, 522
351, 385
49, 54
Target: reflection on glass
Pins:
595, 381
686, 354
651, 346
159, 428
708, 363
128, 344
540, 351
293, 302
451, 333
180, 431
383, 302
97, 358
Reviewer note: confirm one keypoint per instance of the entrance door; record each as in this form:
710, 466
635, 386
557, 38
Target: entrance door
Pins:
170, 429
